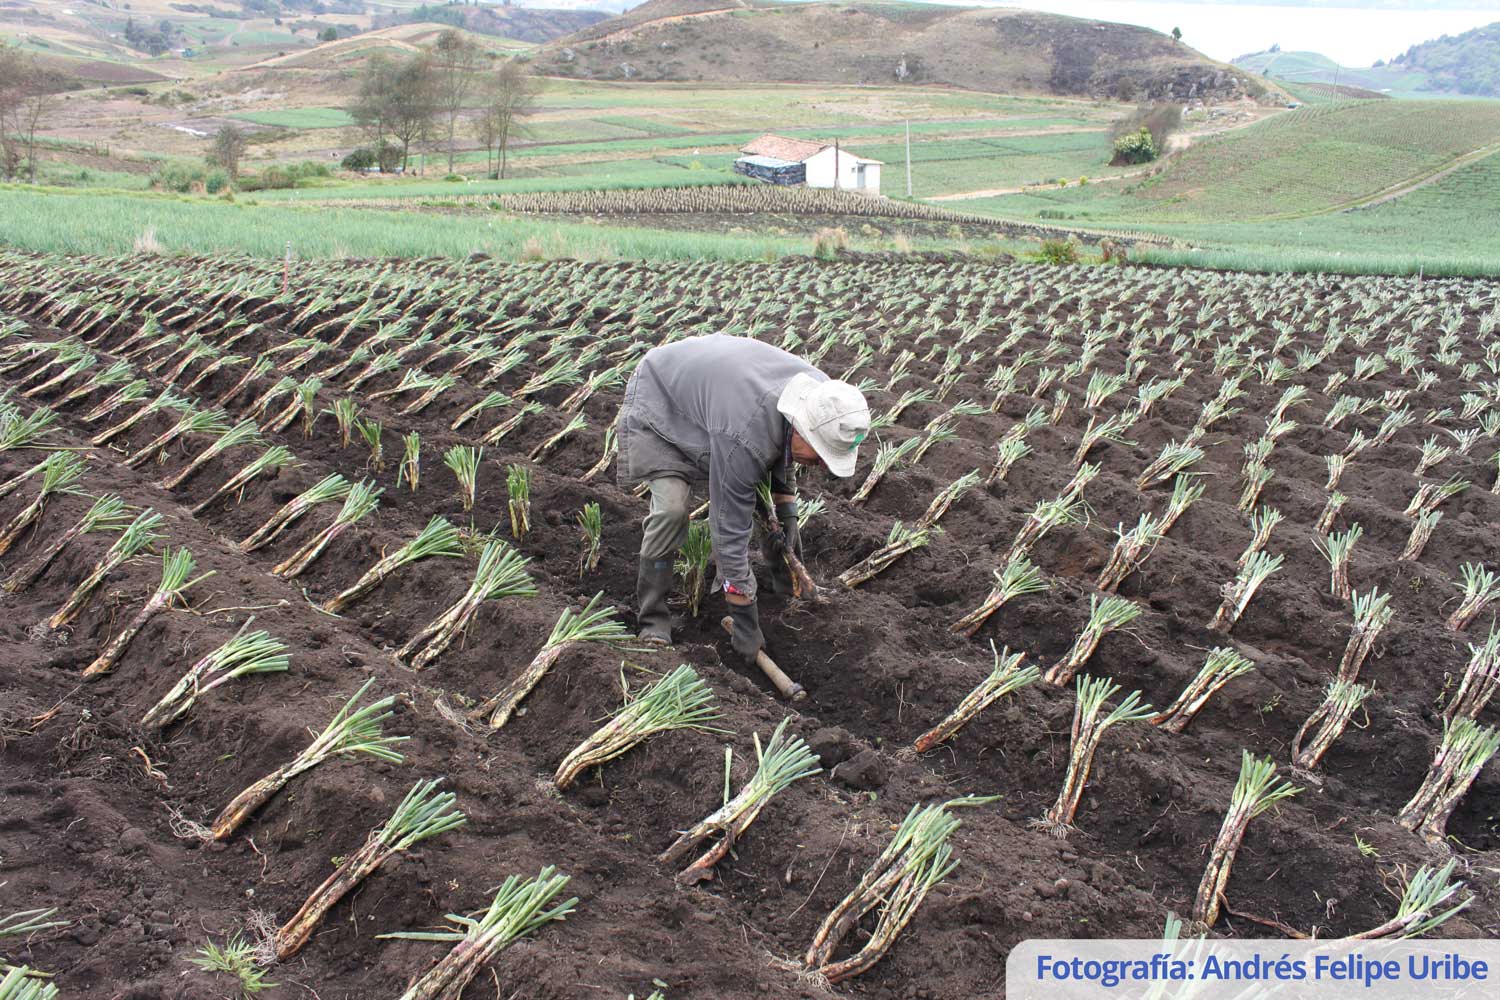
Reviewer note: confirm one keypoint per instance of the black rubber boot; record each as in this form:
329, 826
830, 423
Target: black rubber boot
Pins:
653, 582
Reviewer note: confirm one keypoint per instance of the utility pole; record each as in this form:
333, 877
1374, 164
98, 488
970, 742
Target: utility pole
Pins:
908, 158
835, 164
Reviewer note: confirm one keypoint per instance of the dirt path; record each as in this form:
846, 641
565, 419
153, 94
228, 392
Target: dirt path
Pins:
629, 30
1406, 187
997, 192
1175, 146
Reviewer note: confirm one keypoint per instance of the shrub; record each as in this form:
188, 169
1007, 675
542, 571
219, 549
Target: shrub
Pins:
362, 158
178, 176
454, 178
385, 156
147, 243
1159, 119
1058, 252
828, 243
1135, 147
216, 182
277, 176
270, 179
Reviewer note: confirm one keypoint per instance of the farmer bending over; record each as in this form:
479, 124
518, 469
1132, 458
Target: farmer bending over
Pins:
729, 410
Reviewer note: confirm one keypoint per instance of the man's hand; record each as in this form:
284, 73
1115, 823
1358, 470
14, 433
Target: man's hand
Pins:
746, 637
778, 543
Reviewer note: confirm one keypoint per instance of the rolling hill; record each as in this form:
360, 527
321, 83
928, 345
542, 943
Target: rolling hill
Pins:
1463, 64
524, 24
1313, 161
1466, 65
985, 49
400, 40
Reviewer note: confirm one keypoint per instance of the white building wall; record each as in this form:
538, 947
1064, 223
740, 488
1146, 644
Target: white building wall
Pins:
820, 169
820, 172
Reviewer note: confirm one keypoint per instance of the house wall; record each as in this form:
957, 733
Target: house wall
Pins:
820, 169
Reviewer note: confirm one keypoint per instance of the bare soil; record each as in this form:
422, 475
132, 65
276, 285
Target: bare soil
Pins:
89, 802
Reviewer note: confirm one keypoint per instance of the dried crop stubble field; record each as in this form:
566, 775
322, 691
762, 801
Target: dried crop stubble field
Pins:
97, 807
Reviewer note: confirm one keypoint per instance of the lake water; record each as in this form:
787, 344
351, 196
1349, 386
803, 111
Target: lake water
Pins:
1348, 35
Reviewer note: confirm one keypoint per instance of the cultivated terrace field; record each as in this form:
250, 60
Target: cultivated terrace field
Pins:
316, 619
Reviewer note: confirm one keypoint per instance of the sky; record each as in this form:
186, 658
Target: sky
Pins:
1348, 35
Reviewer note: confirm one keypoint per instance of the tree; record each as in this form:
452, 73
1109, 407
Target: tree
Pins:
412, 104
228, 149
396, 100
27, 95
456, 64
1176, 34
329, 34
34, 108
12, 96
370, 108
510, 96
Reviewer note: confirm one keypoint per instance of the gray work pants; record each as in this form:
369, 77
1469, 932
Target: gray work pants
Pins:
665, 528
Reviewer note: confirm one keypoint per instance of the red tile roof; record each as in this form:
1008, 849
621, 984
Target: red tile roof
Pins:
781, 148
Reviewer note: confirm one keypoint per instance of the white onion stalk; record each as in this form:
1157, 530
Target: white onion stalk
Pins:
437, 539
1088, 730
1339, 704
1222, 666
1017, 577
1426, 893
680, 700
501, 573
572, 630
783, 760
518, 910
362, 500
1131, 550
917, 859
1106, 615
139, 535
176, 570
1372, 612
1480, 681
246, 653
1005, 676
108, 513
1256, 791
1238, 592
423, 814
352, 730
1465, 749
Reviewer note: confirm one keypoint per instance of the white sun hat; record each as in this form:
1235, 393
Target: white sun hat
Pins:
832, 416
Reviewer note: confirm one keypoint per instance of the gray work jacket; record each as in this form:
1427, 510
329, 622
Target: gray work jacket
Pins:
705, 408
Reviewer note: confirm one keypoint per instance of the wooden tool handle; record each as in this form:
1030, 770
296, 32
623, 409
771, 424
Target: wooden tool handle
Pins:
789, 689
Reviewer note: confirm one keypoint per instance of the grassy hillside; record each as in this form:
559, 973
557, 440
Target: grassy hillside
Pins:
1464, 64
1315, 159
1395, 79
1329, 93
399, 40
1367, 185
1442, 227
994, 50
87, 40
524, 24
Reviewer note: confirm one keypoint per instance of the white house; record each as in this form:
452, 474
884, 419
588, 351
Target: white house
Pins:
781, 160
